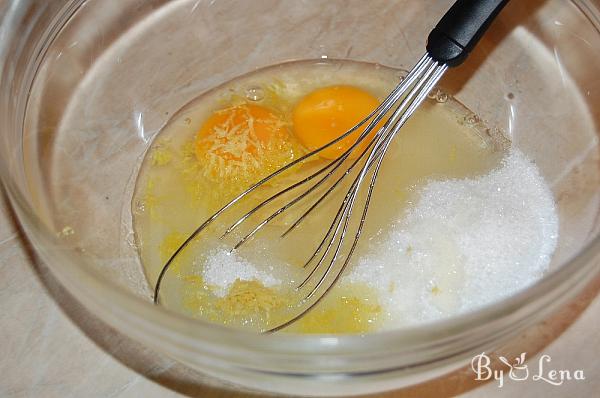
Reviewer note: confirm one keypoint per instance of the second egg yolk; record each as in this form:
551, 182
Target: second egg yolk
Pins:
327, 113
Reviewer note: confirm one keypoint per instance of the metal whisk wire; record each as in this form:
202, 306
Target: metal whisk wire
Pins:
448, 44
433, 73
418, 82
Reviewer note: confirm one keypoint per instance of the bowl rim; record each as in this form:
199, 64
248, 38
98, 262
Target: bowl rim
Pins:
208, 337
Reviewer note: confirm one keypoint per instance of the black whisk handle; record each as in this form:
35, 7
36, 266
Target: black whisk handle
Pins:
460, 29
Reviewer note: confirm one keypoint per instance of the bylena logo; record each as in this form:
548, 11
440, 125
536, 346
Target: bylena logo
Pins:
518, 370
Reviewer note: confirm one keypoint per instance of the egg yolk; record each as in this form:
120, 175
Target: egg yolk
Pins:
240, 144
240, 132
326, 113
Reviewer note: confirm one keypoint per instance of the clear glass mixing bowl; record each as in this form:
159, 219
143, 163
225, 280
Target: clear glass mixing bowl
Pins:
85, 85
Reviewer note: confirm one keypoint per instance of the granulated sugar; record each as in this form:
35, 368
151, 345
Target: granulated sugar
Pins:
465, 243
222, 268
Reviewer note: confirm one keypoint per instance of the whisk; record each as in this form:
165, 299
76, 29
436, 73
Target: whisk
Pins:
448, 45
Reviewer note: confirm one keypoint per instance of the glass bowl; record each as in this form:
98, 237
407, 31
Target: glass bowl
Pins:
85, 85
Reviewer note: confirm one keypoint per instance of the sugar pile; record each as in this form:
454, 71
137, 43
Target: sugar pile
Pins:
223, 267
466, 243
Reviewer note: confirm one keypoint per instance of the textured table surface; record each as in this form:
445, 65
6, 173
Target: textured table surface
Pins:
50, 346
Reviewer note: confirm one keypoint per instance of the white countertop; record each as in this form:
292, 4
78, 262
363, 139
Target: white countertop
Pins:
50, 346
